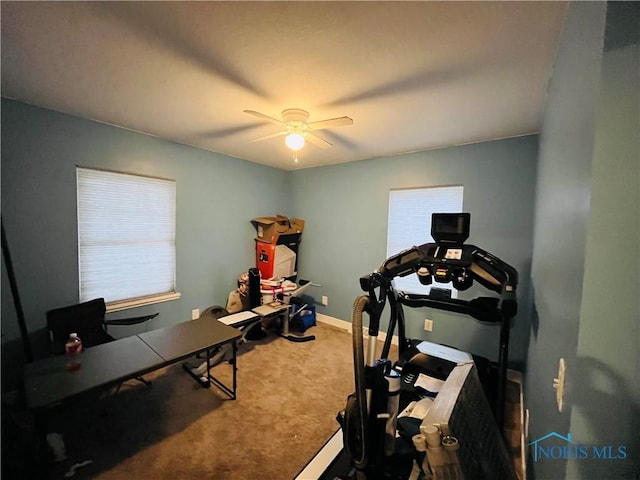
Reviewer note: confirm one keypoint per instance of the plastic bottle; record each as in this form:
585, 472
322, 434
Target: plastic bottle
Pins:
72, 349
436, 457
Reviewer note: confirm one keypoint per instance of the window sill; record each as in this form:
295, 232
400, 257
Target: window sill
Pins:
142, 301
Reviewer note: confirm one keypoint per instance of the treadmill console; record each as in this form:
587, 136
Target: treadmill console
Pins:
450, 228
447, 260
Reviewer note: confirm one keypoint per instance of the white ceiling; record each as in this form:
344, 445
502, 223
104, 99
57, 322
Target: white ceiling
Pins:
412, 75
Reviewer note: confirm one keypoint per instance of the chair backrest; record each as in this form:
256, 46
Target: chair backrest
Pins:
214, 312
86, 319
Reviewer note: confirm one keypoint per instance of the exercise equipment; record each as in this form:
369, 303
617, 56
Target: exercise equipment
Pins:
449, 259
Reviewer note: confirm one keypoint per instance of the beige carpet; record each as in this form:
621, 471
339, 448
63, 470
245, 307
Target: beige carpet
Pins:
288, 396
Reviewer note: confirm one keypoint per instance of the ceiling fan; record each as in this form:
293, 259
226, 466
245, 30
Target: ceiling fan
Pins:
297, 128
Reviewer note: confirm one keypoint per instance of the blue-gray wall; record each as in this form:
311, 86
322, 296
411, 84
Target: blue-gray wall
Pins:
217, 196
562, 213
346, 208
586, 249
605, 387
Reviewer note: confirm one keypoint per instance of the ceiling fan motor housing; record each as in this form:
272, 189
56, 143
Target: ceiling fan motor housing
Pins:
295, 115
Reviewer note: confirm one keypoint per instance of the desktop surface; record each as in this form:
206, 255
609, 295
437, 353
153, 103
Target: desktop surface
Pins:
188, 338
47, 381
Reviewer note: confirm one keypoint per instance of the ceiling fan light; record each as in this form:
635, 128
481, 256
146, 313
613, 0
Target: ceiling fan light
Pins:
295, 141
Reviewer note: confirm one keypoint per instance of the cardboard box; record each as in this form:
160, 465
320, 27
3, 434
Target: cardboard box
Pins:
270, 228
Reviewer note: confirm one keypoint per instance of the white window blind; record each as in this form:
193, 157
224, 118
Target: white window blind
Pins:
126, 237
409, 224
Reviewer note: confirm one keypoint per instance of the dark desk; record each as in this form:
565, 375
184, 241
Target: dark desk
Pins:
186, 339
189, 338
47, 382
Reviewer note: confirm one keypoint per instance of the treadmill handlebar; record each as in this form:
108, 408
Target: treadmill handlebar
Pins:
461, 264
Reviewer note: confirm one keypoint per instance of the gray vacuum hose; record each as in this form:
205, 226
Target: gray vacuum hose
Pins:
359, 373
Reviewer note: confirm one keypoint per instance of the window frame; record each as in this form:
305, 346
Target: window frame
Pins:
410, 283
160, 189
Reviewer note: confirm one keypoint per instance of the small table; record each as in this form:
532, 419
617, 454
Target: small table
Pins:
47, 382
186, 339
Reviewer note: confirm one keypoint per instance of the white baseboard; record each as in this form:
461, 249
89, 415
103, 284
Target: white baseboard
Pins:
334, 322
344, 325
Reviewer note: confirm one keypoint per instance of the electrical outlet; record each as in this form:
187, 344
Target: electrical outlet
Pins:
428, 325
195, 314
325, 300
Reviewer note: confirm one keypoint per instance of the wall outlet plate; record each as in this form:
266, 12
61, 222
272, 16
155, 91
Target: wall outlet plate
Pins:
195, 314
428, 325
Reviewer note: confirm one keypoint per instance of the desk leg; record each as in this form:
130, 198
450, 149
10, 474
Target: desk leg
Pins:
285, 331
285, 324
218, 383
39, 465
234, 349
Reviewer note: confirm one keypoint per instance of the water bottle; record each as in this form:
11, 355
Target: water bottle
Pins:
72, 349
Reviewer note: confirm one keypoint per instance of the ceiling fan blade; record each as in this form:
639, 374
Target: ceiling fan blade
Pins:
317, 141
269, 136
332, 122
264, 117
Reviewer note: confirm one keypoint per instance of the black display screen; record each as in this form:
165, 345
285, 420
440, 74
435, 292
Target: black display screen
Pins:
450, 227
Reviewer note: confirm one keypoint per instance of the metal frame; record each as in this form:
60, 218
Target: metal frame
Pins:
234, 365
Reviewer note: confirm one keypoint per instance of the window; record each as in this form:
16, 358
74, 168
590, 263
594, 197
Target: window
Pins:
409, 224
126, 238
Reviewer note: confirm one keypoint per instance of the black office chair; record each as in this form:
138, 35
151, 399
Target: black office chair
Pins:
88, 321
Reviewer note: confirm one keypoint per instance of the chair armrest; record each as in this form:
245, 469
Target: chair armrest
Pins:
130, 321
